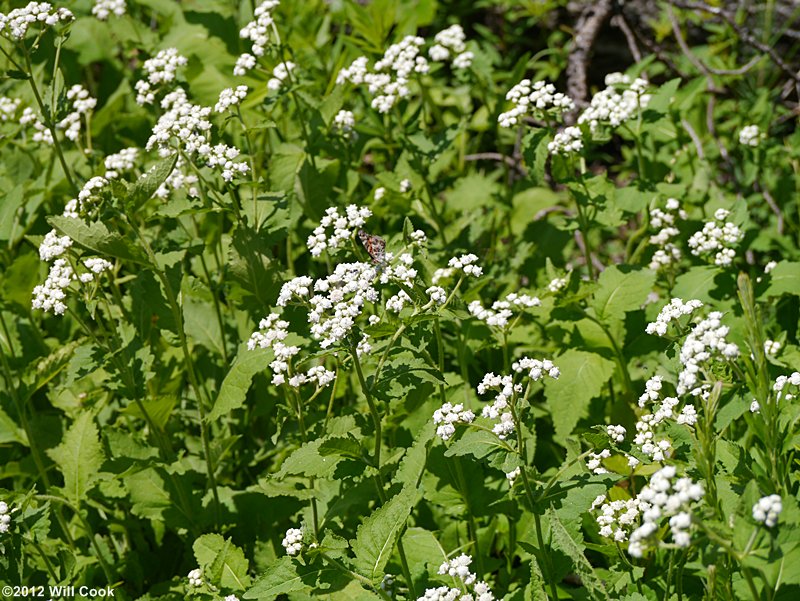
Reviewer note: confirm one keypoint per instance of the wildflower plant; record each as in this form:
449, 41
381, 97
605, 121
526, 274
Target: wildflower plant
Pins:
359, 300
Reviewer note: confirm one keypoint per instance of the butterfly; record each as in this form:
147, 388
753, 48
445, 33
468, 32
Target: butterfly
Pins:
375, 245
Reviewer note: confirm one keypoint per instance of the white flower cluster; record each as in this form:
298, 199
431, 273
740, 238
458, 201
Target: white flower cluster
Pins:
195, 578
338, 300
124, 160
15, 24
567, 141
293, 541
258, 30
663, 221
230, 97
772, 347
556, 285
96, 266
344, 122
616, 517
437, 294
659, 448
53, 246
767, 510
595, 462
405, 187
398, 270
50, 295
616, 432
704, 342
513, 475
8, 107
272, 331
449, 43
279, 74
620, 101
750, 135
221, 156
664, 497
41, 132
466, 263
84, 203
501, 312
458, 568
447, 416
161, 69
178, 180
538, 99
5, 518
718, 237
342, 225
780, 384
103, 9
672, 311
244, 63
507, 389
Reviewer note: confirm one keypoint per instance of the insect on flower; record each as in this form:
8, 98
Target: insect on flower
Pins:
375, 245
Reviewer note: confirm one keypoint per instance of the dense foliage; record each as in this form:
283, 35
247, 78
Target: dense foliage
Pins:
363, 300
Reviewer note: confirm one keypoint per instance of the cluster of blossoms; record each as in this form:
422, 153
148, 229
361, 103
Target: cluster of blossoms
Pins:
293, 541
401, 271
447, 416
187, 125
344, 122
781, 382
501, 312
230, 97
595, 462
772, 347
616, 432
195, 578
672, 311
279, 74
750, 135
663, 221
343, 227
465, 263
663, 497
767, 510
179, 180
620, 101
718, 237
50, 295
160, 70
659, 448
82, 104
5, 518
15, 24
458, 568
705, 342
103, 9
258, 32
539, 99
567, 141
8, 107
41, 133
272, 331
84, 203
557, 284
388, 81
507, 390
124, 160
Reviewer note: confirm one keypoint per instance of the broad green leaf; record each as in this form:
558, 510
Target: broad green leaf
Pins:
535, 591
621, 289
10, 204
280, 579
97, 238
707, 284
223, 561
346, 446
583, 376
308, 461
201, 324
413, 462
534, 149
376, 537
143, 188
784, 279
233, 391
158, 408
422, 549
478, 443
584, 569
79, 457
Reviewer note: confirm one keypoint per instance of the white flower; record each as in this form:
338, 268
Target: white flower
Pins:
230, 97
537, 99
619, 102
50, 295
750, 135
755, 407
15, 24
103, 9
595, 461
195, 578
616, 433
513, 475
243, 64
466, 263
8, 108
293, 541
258, 31
458, 567
405, 186
772, 347
567, 141
767, 510
53, 245
5, 518
717, 238
160, 70
279, 74
556, 285
124, 160
345, 123
463, 60
672, 312
706, 340
342, 226
447, 416
86, 197
437, 294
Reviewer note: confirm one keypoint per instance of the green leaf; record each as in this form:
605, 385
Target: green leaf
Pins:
621, 289
413, 463
784, 279
704, 283
158, 408
534, 149
143, 188
535, 589
237, 382
478, 443
308, 461
79, 457
376, 537
281, 578
346, 446
223, 561
584, 569
583, 376
97, 238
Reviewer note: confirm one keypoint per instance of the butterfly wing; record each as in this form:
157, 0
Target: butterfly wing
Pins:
375, 246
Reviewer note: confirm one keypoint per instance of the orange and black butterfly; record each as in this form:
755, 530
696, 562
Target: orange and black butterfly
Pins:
375, 245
